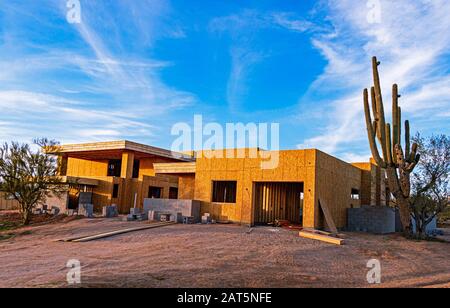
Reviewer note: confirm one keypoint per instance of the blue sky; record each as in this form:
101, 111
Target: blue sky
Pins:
132, 69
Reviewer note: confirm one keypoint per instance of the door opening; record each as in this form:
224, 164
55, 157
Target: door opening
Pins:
278, 201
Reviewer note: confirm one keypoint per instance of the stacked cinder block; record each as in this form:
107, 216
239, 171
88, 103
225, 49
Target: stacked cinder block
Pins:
110, 211
371, 219
86, 210
136, 214
176, 208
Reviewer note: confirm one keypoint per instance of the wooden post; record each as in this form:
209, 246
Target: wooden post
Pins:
127, 165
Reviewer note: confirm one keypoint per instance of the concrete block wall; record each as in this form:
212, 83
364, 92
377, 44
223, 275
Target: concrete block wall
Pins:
172, 206
378, 220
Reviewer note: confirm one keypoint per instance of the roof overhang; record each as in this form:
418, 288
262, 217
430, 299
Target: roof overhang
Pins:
113, 149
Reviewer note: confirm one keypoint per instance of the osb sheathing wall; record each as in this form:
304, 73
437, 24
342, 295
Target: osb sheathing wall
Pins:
323, 176
186, 187
146, 165
335, 180
102, 194
82, 167
294, 166
366, 182
86, 168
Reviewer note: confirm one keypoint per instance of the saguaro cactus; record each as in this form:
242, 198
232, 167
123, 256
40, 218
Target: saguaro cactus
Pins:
398, 163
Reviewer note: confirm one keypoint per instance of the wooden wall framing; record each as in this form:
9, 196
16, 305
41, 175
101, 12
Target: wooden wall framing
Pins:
277, 201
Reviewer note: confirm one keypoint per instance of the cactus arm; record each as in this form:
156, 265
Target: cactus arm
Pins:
399, 125
375, 112
414, 158
388, 144
413, 154
395, 137
396, 120
371, 132
407, 141
380, 107
405, 182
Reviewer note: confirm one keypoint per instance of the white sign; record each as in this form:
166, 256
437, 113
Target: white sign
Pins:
74, 11
374, 275
74, 274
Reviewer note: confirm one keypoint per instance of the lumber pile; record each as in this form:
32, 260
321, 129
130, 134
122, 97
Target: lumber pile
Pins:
326, 237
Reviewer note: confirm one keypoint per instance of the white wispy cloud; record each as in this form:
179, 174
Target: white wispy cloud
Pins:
293, 23
243, 28
411, 41
95, 85
48, 115
242, 61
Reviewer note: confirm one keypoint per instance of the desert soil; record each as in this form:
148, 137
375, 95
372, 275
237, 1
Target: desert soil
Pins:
214, 256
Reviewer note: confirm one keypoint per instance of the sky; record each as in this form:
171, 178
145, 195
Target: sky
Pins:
133, 69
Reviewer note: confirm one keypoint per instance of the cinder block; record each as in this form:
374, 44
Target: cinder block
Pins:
188, 220
110, 211
135, 211
378, 220
86, 210
55, 210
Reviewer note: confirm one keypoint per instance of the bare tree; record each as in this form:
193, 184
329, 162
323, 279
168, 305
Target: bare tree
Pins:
430, 181
29, 176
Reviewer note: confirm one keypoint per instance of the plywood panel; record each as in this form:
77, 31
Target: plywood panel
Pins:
80, 167
186, 187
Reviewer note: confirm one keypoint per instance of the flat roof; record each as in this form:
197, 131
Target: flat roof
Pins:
123, 145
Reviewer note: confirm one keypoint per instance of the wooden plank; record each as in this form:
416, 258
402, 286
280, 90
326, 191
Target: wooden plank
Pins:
109, 234
340, 235
328, 217
81, 239
322, 238
174, 168
71, 239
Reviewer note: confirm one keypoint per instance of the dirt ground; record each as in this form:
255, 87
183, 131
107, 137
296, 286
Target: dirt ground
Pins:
214, 256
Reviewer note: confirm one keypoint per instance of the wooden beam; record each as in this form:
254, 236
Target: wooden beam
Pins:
117, 232
322, 238
174, 168
328, 217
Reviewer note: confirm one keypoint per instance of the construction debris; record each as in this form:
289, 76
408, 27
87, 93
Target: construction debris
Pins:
188, 220
321, 237
328, 217
340, 235
206, 218
136, 215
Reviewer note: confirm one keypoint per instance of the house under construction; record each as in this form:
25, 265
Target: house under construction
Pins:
125, 173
